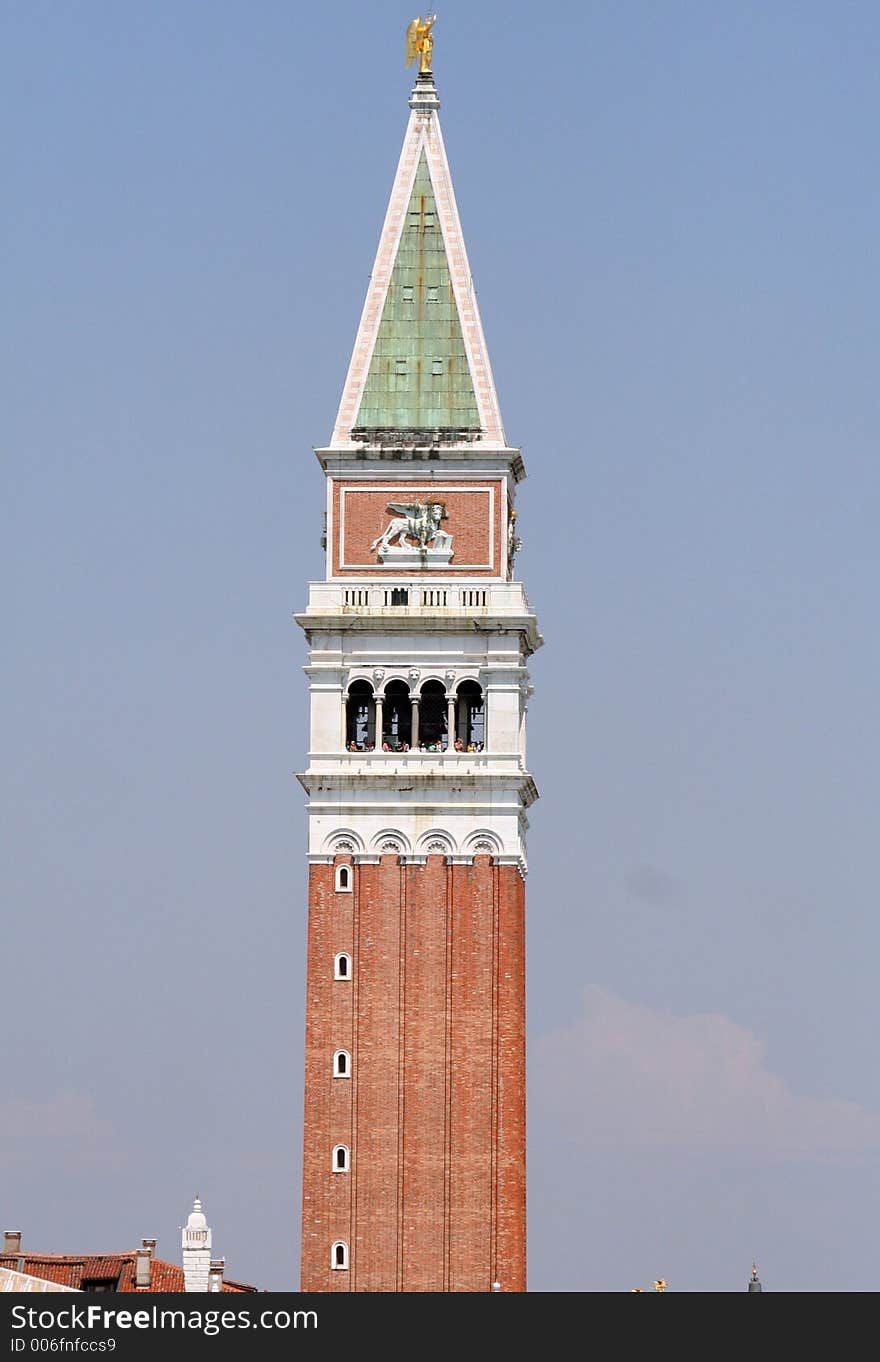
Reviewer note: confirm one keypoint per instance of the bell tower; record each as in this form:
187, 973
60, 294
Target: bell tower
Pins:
418, 785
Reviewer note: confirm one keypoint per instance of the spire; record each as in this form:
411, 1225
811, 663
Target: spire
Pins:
196, 1250
420, 365
754, 1280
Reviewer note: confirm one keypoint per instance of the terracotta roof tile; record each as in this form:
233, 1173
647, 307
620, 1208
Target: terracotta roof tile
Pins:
65, 1271
73, 1270
163, 1277
101, 1267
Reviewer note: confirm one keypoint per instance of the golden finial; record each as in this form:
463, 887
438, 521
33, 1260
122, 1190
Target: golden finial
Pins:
420, 43
660, 1284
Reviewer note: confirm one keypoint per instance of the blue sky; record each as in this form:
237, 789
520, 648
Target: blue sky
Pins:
672, 214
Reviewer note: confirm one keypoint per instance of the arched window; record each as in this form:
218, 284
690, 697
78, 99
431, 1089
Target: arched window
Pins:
342, 1064
471, 717
432, 717
341, 1161
339, 1256
343, 879
342, 966
360, 718
396, 717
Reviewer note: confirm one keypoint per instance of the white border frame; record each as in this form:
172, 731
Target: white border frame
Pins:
399, 492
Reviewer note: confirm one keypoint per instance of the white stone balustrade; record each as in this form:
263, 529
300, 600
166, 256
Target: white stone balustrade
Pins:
429, 599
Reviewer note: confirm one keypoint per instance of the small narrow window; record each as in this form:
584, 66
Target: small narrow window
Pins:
342, 1064
339, 1256
433, 293
436, 366
343, 879
341, 1159
342, 966
408, 293
400, 366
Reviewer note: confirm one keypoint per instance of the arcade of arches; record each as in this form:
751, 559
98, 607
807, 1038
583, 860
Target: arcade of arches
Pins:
431, 719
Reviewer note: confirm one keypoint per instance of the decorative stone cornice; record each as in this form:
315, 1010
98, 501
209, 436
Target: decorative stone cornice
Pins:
393, 460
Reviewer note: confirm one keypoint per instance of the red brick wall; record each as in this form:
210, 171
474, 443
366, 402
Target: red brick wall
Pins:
424, 1077
366, 516
510, 1047
435, 1111
375, 1153
328, 1104
472, 1108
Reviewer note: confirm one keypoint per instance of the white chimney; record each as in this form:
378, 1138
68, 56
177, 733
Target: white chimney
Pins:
196, 1250
142, 1260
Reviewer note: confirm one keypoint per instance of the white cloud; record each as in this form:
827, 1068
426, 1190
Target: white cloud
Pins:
625, 1077
66, 1127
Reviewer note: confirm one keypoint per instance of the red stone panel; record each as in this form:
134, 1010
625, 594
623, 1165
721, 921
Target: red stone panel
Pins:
477, 539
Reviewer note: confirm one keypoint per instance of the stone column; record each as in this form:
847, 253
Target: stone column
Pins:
414, 722
380, 700
451, 734
344, 721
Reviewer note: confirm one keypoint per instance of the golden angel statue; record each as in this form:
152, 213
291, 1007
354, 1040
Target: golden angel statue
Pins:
420, 42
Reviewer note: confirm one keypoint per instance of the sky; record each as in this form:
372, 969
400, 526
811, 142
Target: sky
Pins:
671, 213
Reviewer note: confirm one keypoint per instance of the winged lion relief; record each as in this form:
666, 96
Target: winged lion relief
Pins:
415, 528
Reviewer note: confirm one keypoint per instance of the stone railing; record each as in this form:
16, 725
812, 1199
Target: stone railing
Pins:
417, 597
460, 763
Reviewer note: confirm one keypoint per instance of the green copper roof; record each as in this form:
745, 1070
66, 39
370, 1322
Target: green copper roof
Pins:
419, 376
